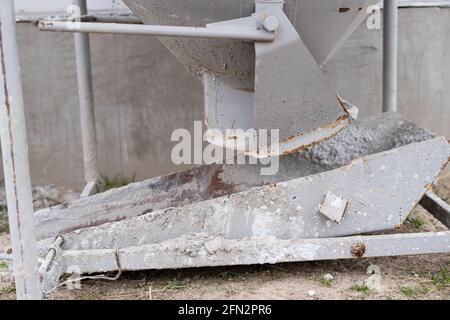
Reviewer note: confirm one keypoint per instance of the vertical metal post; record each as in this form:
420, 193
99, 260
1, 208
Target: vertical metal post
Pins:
15, 160
86, 101
390, 55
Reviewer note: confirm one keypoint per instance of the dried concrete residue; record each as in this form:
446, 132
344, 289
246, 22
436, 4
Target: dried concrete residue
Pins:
366, 137
180, 190
194, 250
287, 210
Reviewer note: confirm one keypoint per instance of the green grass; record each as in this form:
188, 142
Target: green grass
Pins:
176, 284
361, 288
3, 265
416, 222
116, 182
230, 276
4, 227
326, 282
413, 293
441, 279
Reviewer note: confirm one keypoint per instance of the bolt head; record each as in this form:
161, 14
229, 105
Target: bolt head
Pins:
271, 24
358, 250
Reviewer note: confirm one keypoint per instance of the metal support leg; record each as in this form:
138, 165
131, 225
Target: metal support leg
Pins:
15, 160
86, 100
437, 207
390, 55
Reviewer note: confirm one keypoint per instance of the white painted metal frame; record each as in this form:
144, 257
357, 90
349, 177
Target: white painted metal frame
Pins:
16, 162
87, 112
223, 32
390, 55
241, 252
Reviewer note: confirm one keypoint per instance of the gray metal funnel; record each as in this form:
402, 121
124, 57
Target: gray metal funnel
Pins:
323, 25
263, 85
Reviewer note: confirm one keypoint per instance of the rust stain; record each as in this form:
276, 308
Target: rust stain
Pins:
332, 125
179, 177
13, 163
217, 187
328, 126
44, 24
345, 9
358, 250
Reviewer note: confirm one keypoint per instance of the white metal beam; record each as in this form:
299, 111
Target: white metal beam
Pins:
390, 55
15, 160
86, 101
236, 33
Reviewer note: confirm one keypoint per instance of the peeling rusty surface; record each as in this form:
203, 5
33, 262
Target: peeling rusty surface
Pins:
343, 10
339, 121
358, 250
217, 187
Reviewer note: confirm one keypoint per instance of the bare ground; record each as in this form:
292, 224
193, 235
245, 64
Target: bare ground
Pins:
414, 277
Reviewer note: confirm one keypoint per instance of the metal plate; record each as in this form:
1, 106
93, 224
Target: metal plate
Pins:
368, 136
291, 92
381, 190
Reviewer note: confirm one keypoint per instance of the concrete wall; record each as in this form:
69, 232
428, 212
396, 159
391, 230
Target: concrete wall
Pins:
31, 7
424, 68
142, 93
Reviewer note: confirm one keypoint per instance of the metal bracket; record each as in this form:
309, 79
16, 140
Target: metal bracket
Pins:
290, 93
241, 32
437, 207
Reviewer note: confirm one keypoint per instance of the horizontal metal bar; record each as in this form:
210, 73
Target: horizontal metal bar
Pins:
420, 4
98, 18
124, 19
437, 207
198, 251
220, 32
51, 254
5, 257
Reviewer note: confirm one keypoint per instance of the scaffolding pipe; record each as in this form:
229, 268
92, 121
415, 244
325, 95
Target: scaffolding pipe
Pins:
5, 257
390, 55
15, 161
86, 101
244, 33
99, 18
